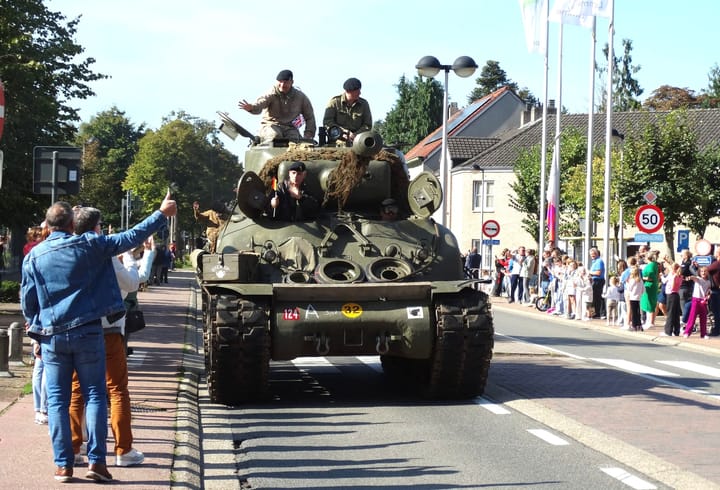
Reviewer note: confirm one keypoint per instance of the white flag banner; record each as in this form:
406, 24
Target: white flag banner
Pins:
535, 23
579, 12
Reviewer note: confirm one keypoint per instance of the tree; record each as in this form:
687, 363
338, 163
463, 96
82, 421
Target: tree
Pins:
526, 189
625, 88
42, 70
706, 205
491, 78
710, 97
417, 112
185, 154
667, 98
572, 185
110, 143
661, 157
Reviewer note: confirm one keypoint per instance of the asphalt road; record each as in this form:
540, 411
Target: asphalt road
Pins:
338, 423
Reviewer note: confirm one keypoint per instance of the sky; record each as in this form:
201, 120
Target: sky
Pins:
202, 57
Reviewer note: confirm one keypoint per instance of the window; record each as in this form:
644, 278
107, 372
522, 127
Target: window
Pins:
480, 197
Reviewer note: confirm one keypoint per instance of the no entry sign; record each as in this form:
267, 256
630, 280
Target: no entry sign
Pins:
491, 228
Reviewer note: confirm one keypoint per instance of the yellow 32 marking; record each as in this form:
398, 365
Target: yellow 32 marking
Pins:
352, 310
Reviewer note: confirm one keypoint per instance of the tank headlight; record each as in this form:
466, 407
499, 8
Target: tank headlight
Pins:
392, 250
421, 253
269, 254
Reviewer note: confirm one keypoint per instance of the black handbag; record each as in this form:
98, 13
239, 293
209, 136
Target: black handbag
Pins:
134, 321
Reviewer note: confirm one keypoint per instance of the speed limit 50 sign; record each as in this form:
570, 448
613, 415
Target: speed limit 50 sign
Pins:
649, 218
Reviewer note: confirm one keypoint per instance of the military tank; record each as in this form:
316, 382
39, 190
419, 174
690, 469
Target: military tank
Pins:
343, 282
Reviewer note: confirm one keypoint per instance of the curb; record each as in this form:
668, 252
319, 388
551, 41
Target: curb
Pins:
186, 470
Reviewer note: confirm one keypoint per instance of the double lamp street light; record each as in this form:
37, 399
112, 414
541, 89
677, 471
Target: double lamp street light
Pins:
429, 66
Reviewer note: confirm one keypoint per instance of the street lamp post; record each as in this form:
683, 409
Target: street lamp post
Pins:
619, 139
429, 66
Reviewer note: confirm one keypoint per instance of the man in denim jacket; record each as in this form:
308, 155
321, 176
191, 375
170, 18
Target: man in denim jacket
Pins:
68, 285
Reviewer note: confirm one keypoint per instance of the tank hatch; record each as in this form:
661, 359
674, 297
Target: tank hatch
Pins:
251, 195
424, 195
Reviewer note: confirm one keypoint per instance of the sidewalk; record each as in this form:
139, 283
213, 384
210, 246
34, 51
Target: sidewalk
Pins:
666, 433
163, 369
653, 334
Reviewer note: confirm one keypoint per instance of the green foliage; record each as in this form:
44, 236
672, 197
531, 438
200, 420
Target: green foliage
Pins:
706, 205
710, 97
9, 292
110, 143
572, 189
187, 153
662, 156
417, 113
492, 77
626, 89
42, 69
526, 189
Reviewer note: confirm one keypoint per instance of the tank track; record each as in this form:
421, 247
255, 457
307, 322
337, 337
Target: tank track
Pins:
463, 348
237, 355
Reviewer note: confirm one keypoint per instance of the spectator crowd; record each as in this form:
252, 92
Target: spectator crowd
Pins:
644, 291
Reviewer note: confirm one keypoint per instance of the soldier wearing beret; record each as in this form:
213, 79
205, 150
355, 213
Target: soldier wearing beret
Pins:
284, 110
349, 111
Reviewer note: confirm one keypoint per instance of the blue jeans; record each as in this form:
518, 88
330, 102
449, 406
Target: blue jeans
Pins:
80, 349
38, 386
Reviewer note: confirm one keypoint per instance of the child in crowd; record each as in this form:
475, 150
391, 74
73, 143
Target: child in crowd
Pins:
570, 284
698, 308
634, 289
583, 293
38, 385
613, 298
672, 307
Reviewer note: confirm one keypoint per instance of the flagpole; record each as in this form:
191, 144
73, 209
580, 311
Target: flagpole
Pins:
589, 170
558, 131
543, 142
608, 138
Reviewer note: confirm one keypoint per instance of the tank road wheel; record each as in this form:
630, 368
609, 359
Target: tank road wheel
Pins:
239, 358
463, 348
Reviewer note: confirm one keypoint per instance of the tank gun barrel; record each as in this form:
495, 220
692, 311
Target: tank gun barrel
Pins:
367, 144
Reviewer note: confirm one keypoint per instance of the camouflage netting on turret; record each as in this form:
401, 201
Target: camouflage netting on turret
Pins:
346, 176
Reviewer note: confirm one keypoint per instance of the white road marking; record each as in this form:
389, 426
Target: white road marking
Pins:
136, 359
628, 479
548, 437
634, 367
373, 362
492, 407
317, 364
694, 367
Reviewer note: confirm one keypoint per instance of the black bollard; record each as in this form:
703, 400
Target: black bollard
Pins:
4, 351
16, 344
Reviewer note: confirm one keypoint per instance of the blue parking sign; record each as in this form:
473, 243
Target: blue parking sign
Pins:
683, 240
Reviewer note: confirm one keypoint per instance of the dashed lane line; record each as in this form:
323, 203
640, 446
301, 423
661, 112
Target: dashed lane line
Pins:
628, 479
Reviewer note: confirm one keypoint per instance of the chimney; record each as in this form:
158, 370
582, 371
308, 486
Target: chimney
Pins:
529, 115
551, 107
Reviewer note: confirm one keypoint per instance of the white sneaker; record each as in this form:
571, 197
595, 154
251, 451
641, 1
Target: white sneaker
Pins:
79, 460
41, 418
132, 458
